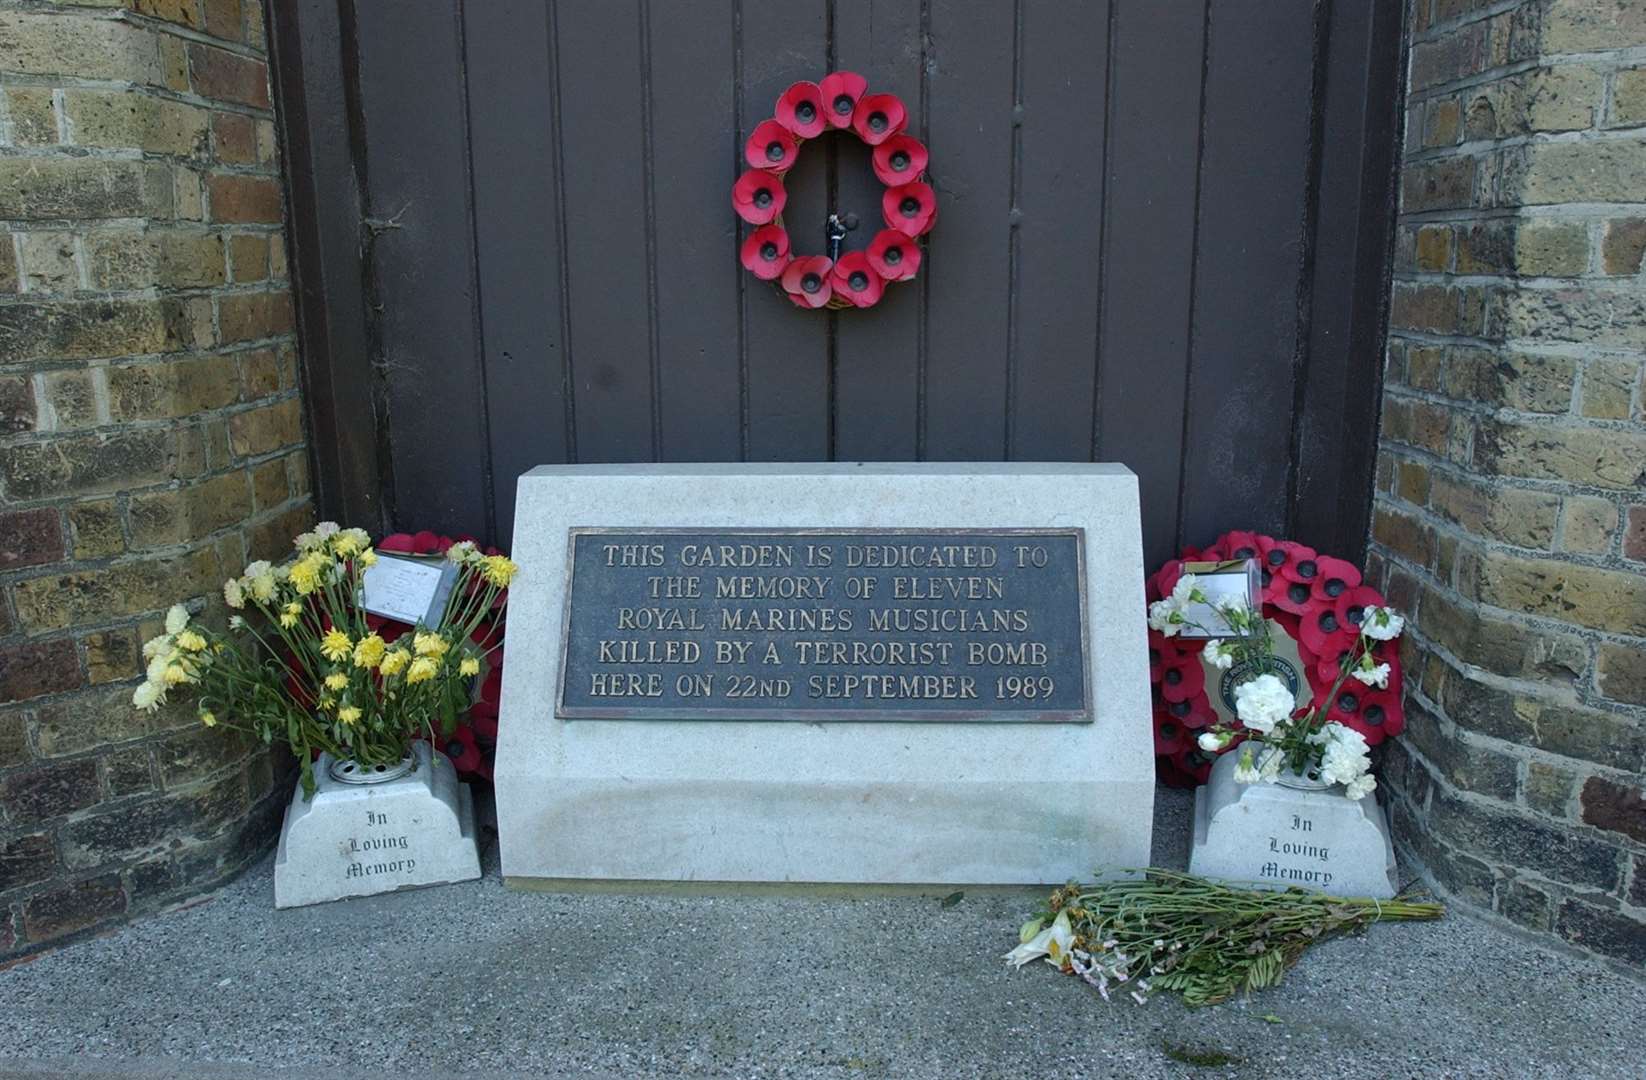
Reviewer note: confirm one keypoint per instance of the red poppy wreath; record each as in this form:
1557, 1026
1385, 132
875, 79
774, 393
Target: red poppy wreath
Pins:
909, 205
1314, 604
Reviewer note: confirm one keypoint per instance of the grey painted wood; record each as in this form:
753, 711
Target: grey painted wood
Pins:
509, 51
1148, 249
421, 253
1254, 173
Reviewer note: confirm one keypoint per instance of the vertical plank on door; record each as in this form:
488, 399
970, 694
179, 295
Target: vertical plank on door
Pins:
1254, 174
603, 167
1333, 454
786, 349
970, 61
876, 349
1059, 195
422, 260
516, 239
697, 273
1148, 252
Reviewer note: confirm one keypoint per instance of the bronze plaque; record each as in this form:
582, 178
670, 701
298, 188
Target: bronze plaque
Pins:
826, 624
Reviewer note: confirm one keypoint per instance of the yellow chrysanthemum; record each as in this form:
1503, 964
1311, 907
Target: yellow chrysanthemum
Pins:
305, 572
327, 702
336, 681
430, 645
348, 714
422, 669
288, 618
191, 641
469, 666
499, 570
369, 652
208, 718
336, 645
174, 674
394, 661
368, 558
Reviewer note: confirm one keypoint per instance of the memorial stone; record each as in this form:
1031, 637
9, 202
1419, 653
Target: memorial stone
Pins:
856, 673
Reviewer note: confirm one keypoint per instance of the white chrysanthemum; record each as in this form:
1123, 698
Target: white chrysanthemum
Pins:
157, 645
327, 529
1218, 655
148, 696
1377, 676
233, 594
1382, 623
156, 671
176, 618
1263, 702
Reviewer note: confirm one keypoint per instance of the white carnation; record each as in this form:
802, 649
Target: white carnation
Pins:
1377, 676
1268, 766
1263, 702
1347, 757
1213, 742
1184, 591
1382, 623
1161, 617
1245, 772
1218, 655
1360, 787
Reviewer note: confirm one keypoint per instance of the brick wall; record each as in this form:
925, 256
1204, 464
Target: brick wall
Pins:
1511, 491
150, 439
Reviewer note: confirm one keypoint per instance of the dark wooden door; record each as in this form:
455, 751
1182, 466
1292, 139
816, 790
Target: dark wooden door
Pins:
1163, 236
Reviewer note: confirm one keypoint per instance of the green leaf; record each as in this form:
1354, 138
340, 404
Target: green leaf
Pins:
952, 899
1028, 930
1271, 1018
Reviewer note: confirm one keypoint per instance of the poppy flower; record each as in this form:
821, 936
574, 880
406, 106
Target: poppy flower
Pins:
461, 748
758, 196
1351, 606
1381, 715
1301, 563
1335, 577
1192, 712
1169, 736
899, 159
1325, 634
766, 252
1193, 765
1291, 596
1240, 545
484, 727
894, 256
771, 147
855, 279
910, 209
807, 281
879, 117
841, 91
800, 109
1184, 679
1165, 580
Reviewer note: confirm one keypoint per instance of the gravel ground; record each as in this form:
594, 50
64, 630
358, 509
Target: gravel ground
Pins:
479, 979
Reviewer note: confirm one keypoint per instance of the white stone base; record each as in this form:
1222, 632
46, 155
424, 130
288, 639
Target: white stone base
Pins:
1270, 836
826, 801
363, 839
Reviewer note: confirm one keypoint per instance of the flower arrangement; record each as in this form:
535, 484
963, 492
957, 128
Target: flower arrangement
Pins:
1340, 668
1171, 931
306, 667
807, 110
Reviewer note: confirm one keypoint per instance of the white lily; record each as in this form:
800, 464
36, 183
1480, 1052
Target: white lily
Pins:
1054, 943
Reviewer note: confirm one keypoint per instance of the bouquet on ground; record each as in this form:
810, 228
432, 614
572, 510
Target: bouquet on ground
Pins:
1279, 737
300, 662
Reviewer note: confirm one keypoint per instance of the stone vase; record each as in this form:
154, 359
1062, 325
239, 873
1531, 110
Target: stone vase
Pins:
375, 830
1300, 831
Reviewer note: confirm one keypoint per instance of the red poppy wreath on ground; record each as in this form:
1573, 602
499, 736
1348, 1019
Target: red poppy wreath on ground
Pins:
909, 206
1313, 602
